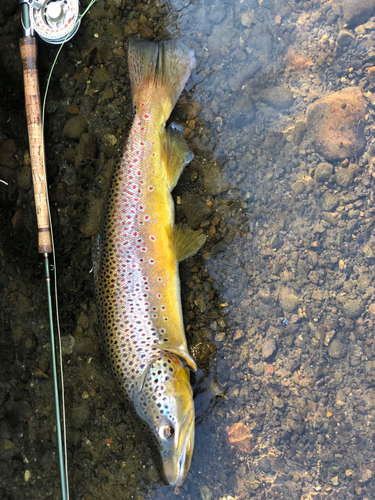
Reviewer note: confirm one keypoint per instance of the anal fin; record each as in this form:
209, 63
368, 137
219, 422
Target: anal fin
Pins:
186, 241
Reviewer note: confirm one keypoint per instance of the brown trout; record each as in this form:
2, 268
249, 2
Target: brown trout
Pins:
136, 259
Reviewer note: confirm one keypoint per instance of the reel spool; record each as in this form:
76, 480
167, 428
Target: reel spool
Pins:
55, 21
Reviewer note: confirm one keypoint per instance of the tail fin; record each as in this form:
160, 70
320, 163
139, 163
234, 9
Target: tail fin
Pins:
166, 65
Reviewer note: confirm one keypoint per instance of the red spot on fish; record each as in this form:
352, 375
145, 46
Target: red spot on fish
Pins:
150, 188
159, 279
152, 238
142, 143
158, 295
135, 233
144, 249
146, 217
146, 116
152, 261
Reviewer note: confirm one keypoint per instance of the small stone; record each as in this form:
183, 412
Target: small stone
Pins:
335, 481
336, 349
75, 127
8, 444
67, 344
214, 181
345, 38
345, 176
330, 201
195, 209
268, 348
264, 464
87, 147
80, 415
323, 172
239, 435
91, 224
270, 369
25, 178
100, 76
248, 18
372, 309
353, 308
277, 97
288, 300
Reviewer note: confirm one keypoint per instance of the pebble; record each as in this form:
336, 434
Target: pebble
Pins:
91, 224
353, 308
277, 97
195, 209
80, 415
288, 300
268, 348
264, 464
100, 76
336, 123
345, 176
67, 344
214, 181
336, 349
87, 147
330, 201
323, 172
7, 154
75, 127
345, 38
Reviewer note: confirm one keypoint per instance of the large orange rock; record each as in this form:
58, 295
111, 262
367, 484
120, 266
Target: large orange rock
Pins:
240, 436
336, 124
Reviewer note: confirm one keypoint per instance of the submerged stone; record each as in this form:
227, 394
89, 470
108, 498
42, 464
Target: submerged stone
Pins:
336, 123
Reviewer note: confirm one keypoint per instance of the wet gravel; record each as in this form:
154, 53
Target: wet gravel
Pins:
279, 304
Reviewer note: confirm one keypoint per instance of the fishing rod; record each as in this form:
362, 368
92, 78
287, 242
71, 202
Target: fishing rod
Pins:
55, 22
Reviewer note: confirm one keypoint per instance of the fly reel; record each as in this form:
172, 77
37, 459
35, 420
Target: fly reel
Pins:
55, 21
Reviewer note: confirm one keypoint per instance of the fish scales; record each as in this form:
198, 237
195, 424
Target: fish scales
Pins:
136, 259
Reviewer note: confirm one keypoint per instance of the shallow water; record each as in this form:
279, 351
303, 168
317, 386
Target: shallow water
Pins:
279, 303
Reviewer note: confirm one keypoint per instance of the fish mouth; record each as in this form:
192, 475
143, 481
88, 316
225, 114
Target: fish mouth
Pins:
176, 462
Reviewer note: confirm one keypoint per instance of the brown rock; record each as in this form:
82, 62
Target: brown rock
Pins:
336, 124
357, 11
239, 435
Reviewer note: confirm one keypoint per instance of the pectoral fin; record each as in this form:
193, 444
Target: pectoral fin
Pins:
176, 153
186, 241
179, 352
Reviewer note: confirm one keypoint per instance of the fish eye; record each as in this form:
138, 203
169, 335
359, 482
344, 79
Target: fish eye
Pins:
166, 432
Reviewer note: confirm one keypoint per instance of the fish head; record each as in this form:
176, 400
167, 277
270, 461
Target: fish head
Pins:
168, 408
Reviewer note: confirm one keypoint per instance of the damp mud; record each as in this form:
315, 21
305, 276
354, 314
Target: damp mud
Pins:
279, 304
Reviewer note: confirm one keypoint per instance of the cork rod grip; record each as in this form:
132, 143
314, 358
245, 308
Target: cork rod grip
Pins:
28, 50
